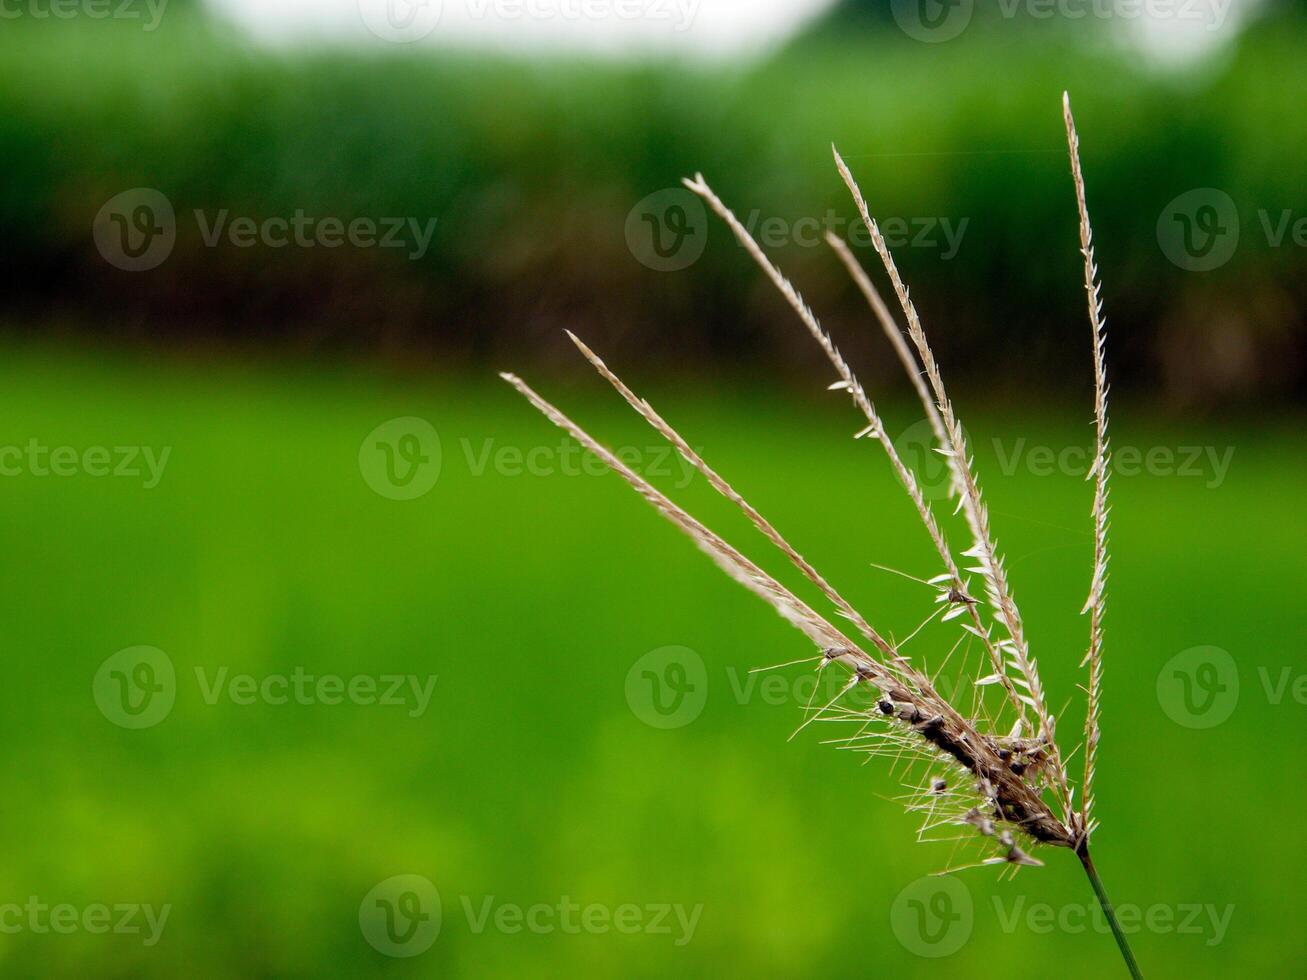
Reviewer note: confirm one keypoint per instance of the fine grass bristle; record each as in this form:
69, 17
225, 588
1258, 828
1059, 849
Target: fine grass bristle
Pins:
1096, 604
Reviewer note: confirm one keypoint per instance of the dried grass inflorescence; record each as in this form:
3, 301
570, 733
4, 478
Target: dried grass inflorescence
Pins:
982, 764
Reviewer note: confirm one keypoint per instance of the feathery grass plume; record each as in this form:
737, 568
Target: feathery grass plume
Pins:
975, 779
1096, 604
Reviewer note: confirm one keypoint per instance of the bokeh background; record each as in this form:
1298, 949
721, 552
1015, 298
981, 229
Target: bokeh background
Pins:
230, 449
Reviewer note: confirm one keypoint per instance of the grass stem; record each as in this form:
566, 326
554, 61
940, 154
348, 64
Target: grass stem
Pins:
1083, 853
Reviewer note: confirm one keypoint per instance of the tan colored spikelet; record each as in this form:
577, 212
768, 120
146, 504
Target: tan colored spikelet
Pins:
1096, 604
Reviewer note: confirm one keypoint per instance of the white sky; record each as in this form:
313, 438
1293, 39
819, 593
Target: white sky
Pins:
695, 27
1167, 31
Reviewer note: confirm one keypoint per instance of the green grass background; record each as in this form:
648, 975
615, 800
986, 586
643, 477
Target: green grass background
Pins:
529, 778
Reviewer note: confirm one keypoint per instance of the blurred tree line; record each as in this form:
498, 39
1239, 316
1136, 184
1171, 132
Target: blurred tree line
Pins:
542, 178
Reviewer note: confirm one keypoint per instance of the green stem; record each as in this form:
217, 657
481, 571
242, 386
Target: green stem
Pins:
1083, 853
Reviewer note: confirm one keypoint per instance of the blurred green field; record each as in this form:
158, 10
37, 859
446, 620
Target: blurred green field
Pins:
531, 596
